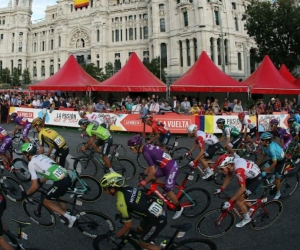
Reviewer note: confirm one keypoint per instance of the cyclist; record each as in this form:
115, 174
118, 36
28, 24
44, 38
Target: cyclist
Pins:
92, 118
294, 129
160, 132
6, 143
283, 134
202, 138
53, 140
22, 121
277, 160
248, 136
99, 136
167, 167
295, 116
249, 179
49, 170
227, 132
132, 200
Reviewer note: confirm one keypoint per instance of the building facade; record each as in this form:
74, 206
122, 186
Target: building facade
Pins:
110, 30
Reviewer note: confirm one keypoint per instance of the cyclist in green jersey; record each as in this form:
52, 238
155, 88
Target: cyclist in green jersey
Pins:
294, 128
99, 136
227, 132
49, 170
132, 200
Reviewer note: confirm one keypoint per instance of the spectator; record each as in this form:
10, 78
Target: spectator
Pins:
278, 104
166, 108
161, 103
186, 105
237, 108
154, 107
259, 108
273, 106
226, 109
179, 109
144, 109
4, 109
36, 103
200, 104
174, 102
26, 100
209, 111
13, 100
91, 106
123, 110
231, 105
194, 110
107, 106
129, 104
100, 106
50, 98
207, 104
61, 103
136, 108
201, 110
216, 107
46, 104
252, 110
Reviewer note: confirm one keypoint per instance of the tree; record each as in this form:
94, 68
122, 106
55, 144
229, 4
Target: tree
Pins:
16, 77
93, 71
156, 68
26, 77
109, 70
275, 27
5, 76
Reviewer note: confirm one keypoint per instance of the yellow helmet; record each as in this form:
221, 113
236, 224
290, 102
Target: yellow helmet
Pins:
112, 179
37, 121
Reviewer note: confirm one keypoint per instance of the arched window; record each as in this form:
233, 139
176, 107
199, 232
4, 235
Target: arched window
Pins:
161, 7
117, 36
145, 29
164, 55
131, 34
162, 25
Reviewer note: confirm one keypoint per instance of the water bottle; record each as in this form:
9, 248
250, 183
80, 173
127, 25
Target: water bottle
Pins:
163, 244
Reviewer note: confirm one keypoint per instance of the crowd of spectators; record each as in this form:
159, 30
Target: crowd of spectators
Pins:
152, 104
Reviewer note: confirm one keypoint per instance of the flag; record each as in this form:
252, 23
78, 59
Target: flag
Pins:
81, 3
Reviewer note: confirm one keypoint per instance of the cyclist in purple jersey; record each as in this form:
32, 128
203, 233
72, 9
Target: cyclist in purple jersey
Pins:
5, 142
167, 167
20, 120
283, 134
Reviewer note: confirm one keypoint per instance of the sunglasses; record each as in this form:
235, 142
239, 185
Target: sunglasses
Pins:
262, 140
132, 147
273, 125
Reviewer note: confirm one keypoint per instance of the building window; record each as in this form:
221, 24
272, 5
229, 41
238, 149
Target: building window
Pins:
34, 73
51, 44
135, 34
98, 35
20, 65
1, 37
51, 70
226, 51
117, 61
216, 12
43, 71
145, 30
80, 43
236, 23
180, 53
239, 58
145, 16
219, 51
113, 36
129, 54
211, 48
195, 49
0, 65
162, 25
117, 36
131, 34
146, 57
188, 52
126, 37
59, 41
233, 4
91, 3
161, 7
141, 33
98, 63
130, 18
121, 35
43, 46
12, 47
186, 19
71, 7
164, 55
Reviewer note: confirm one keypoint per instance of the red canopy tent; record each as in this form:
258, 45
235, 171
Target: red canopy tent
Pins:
71, 77
286, 73
133, 77
266, 79
205, 76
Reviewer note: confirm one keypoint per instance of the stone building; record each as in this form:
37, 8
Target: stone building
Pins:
110, 30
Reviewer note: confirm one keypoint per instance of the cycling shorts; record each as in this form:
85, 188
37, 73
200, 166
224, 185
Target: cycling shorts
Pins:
252, 185
279, 168
106, 145
165, 138
26, 130
62, 153
234, 143
59, 188
252, 132
170, 171
211, 150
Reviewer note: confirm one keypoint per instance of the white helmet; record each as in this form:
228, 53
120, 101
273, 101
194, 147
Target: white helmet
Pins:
192, 128
224, 160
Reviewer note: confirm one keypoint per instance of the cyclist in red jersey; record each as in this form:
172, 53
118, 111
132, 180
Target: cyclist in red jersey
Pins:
160, 132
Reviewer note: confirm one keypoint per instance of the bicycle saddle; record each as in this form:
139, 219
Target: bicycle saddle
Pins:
183, 227
22, 224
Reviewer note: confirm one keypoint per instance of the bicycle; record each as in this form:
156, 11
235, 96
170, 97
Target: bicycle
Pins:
88, 163
131, 241
291, 151
89, 222
17, 240
174, 151
194, 201
218, 222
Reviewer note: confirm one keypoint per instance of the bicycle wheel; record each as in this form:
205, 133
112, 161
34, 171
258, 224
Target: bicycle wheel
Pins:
92, 223
215, 223
12, 188
125, 167
141, 161
195, 201
17, 142
201, 244
102, 242
121, 151
178, 156
46, 218
21, 169
85, 166
219, 178
94, 190
182, 172
266, 214
289, 184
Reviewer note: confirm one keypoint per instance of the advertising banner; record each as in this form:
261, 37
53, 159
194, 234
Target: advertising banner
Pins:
264, 121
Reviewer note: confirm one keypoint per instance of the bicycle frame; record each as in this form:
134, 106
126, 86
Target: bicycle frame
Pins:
83, 184
291, 150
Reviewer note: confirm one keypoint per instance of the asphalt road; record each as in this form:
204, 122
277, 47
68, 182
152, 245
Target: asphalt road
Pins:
284, 234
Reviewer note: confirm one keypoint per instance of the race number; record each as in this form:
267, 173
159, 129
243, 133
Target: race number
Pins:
59, 173
58, 141
167, 156
155, 209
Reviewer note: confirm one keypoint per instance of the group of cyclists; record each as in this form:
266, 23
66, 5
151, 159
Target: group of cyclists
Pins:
160, 164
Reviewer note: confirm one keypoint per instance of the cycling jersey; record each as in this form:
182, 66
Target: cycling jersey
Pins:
19, 120
274, 151
229, 130
245, 169
46, 167
297, 118
132, 200
98, 131
203, 138
246, 123
52, 138
158, 127
94, 118
284, 135
294, 129
6, 141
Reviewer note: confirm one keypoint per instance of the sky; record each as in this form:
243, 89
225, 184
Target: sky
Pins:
38, 8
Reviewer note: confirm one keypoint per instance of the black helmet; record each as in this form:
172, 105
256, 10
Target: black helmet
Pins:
291, 120
220, 121
83, 121
291, 111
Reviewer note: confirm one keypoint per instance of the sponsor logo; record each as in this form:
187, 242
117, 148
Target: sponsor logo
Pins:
25, 114
132, 122
177, 123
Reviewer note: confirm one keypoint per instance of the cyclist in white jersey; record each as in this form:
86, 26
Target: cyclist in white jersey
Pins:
248, 136
202, 138
49, 170
249, 179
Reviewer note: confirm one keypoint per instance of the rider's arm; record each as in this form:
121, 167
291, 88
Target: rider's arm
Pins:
125, 229
200, 155
156, 136
193, 148
222, 138
34, 186
16, 129
274, 163
260, 160
89, 143
49, 150
227, 142
227, 180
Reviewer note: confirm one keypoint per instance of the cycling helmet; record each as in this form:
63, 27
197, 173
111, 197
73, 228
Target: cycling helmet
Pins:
291, 111
82, 113
274, 122
192, 128
224, 160
220, 121
241, 115
3, 133
29, 148
83, 121
112, 179
291, 120
13, 115
266, 136
134, 140
37, 121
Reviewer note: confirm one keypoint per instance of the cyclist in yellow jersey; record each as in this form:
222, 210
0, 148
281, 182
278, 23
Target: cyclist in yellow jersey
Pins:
99, 136
132, 200
53, 140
